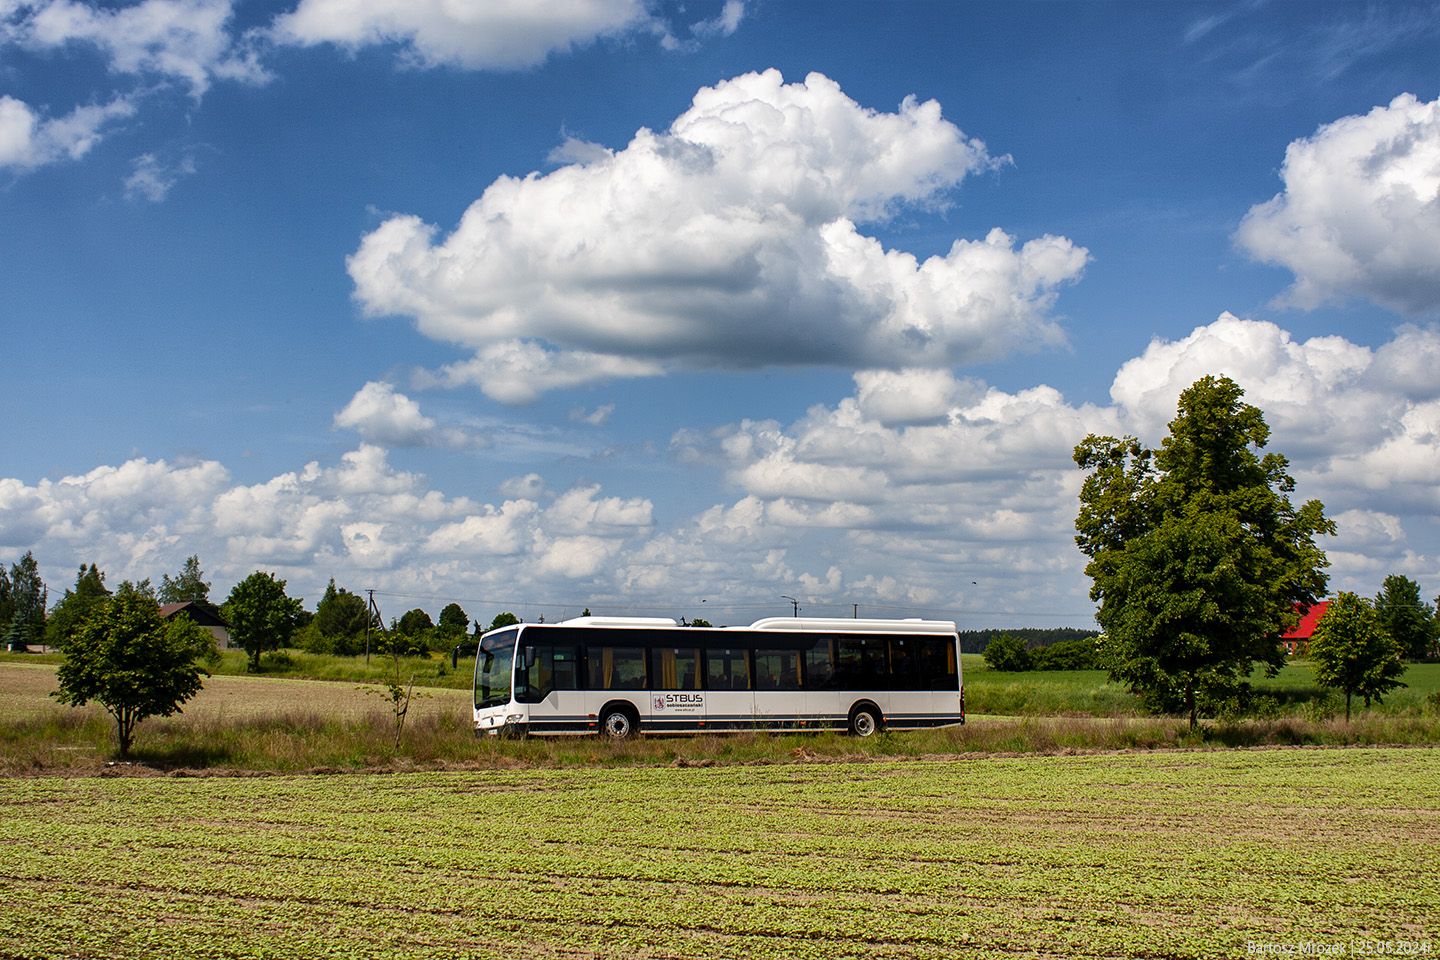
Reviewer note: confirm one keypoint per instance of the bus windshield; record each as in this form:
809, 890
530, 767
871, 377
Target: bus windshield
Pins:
493, 665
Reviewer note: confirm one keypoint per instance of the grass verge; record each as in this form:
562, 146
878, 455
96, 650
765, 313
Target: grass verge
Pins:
71, 742
273, 725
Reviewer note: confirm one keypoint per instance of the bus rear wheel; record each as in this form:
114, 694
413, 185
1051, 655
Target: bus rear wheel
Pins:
864, 721
617, 724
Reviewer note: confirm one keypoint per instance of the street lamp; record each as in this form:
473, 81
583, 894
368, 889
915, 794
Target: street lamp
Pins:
794, 603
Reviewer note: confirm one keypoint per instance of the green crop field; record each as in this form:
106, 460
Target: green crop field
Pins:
1178, 854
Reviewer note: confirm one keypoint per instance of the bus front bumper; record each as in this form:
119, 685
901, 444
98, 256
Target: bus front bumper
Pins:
513, 725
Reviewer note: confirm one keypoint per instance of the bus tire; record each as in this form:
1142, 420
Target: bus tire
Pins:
865, 720
618, 723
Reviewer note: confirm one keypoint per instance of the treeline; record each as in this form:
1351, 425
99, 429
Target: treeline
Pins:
975, 641
260, 615
343, 623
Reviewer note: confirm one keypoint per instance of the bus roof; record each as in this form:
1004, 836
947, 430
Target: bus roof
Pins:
618, 622
849, 625
789, 624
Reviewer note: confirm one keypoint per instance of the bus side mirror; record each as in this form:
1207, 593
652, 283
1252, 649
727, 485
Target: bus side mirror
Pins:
529, 657
466, 648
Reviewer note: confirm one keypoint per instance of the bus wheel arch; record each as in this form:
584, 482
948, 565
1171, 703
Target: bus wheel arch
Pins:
866, 720
619, 720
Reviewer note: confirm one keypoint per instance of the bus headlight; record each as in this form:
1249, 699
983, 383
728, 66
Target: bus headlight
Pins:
514, 717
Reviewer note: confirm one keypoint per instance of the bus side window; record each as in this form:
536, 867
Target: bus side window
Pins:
820, 665
905, 664
937, 664
727, 670
862, 664
675, 668
777, 669
617, 668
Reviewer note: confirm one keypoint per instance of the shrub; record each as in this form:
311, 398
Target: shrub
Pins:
1067, 655
1007, 652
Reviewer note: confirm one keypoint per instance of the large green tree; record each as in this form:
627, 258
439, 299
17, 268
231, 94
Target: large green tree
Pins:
1353, 652
126, 657
1407, 618
1197, 556
260, 615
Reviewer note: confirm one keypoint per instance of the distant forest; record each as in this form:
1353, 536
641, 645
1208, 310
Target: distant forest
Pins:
974, 641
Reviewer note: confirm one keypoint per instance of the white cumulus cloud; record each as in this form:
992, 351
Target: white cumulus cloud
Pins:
1323, 396
495, 34
1360, 212
728, 240
382, 416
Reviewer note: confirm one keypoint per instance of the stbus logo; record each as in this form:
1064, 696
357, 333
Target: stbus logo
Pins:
684, 702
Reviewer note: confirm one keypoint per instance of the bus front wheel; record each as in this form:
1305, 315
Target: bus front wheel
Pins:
864, 721
617, 724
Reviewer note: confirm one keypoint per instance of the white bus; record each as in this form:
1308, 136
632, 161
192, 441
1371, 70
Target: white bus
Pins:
617, 677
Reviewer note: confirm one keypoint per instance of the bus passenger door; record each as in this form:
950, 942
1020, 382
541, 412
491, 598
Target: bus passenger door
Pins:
779, 696
822, 699
548, 680
729, 691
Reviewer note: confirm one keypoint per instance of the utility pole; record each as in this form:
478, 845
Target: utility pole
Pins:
794, 603
373, 609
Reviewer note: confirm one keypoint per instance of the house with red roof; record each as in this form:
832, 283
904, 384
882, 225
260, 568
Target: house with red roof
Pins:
1295, 641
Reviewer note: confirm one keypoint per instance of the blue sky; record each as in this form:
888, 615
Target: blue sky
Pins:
751, 299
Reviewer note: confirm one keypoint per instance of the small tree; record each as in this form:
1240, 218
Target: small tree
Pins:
261, 616
1352, 651
134, 663
397, 696
1007, 652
